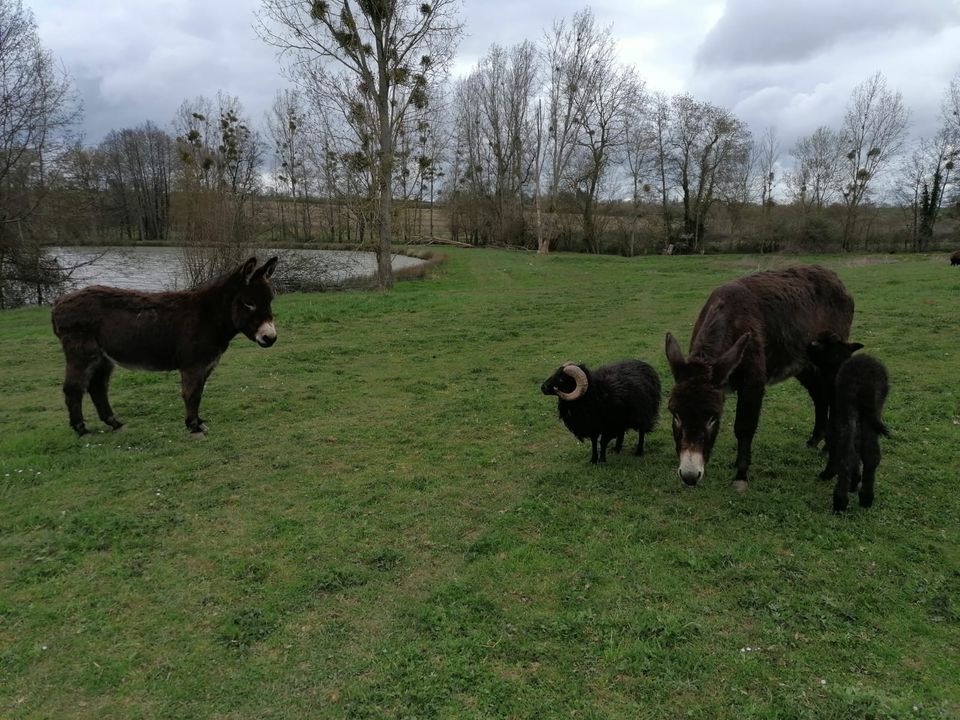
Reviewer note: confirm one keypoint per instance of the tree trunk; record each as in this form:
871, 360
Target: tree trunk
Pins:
384, 264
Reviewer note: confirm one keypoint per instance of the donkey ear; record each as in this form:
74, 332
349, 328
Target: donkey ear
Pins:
728, 362
674, 355
246, 272
266, 271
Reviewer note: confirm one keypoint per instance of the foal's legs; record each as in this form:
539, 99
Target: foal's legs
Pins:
870, 453
820, 395
99, 382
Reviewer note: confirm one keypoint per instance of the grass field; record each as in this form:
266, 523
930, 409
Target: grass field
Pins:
387, 520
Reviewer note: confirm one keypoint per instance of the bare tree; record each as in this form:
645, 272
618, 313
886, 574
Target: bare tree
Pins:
218, 173
494, 119
925, 179
640, 154
873, 131
38, 111
705, 146
388, 50
661, 130
567, 50
138, 167
951, 105
472, 183
818, 157
767, 155
286, 126
610, 96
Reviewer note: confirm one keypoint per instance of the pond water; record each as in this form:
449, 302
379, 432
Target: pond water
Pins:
162, 268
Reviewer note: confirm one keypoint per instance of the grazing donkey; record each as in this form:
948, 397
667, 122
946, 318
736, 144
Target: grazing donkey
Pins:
955, 258
187, 331
860, 386
752, 332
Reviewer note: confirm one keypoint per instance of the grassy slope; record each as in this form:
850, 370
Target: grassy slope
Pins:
387, 520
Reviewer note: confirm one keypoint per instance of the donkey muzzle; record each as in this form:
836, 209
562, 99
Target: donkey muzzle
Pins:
691, 467
266, 334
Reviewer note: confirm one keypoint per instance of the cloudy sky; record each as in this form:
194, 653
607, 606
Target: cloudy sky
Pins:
781, 63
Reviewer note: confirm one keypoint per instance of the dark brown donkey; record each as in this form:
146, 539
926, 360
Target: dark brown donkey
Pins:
752, 332
186, 331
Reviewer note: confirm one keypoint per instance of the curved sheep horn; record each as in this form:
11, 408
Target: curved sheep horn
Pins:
580, 376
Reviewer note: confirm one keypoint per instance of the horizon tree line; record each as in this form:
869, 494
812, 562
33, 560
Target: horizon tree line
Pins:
542, 145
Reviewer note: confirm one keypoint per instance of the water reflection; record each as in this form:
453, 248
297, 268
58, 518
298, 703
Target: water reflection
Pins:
160, 268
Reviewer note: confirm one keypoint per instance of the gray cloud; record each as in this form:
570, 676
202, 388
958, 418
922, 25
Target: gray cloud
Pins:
752, 32
786, 64
138, 61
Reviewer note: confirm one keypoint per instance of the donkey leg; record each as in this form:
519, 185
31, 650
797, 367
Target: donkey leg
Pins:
192, 382
811, 380
749, 402
840, 490
74, 386
619, 444
81, 358
99, 382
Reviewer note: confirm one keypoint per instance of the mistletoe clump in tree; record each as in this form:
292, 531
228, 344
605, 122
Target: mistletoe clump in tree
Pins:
375, 60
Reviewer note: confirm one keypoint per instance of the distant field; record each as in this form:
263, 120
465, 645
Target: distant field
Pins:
387, 520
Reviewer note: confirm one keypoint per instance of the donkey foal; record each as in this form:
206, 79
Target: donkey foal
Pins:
860, 388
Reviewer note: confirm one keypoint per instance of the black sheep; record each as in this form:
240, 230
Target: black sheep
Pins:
860, 386
604, 403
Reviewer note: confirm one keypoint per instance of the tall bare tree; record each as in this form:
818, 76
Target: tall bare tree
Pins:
640, 155
567, 51
613, 94
815, 182
767, 154
388, 50
661, 130
705, 147
873, 132
38, 111
927, 178
218, 172
495, 117
286, 126
138, 166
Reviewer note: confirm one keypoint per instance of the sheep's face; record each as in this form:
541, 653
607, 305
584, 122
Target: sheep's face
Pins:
696, 407
558, 381
569, 382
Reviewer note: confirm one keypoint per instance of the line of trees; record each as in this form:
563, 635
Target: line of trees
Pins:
545, 145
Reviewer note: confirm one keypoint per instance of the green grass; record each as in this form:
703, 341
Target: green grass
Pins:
387, 520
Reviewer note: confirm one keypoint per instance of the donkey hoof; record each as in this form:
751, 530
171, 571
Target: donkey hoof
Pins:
198, 435
119, 428
81, 430
740, 485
